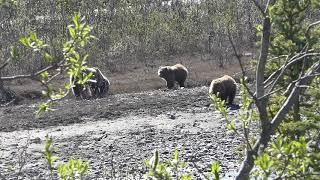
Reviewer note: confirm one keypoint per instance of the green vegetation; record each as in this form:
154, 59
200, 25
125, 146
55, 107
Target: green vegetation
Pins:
73, 169
130, 30
74, 60
287, 101
175, 168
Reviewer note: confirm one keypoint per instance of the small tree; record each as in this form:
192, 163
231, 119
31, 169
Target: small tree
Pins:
73, 62
289, 55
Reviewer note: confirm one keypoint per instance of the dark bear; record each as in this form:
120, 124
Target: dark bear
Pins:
99, 84
177, 73
80, 91
96, 87
226, 87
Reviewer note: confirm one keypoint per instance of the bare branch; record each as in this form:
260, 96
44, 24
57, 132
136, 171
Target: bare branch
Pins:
52, 77
274, 83
5, 64
315, 74
270, 2
240, 63
311, 26
265, 136
23, 76
235, 52
27, 75
276, 72
299, 86
248, 69
261, 104
303, 86
263, 57
285, 66
303, 51
270, 93
246, 137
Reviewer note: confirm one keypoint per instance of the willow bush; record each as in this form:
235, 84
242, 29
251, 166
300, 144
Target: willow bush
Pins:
131, 30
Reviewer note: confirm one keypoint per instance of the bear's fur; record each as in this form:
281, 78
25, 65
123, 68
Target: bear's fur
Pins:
78, 90
100, 84
96, 87
177, 73
226, 87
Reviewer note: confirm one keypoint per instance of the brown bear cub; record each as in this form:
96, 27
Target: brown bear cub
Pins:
226, 87
177, 73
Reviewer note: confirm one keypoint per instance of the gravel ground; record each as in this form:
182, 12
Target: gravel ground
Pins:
116, 134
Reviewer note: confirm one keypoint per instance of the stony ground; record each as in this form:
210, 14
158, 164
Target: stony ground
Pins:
116, 134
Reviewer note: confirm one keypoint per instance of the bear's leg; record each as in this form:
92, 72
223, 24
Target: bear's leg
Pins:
223, 97
76, 90
170, 84
94, 90
86, 92
181, 83
102, 89
231, 97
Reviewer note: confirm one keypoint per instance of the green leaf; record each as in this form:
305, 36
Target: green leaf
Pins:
72, 32
232, 126
25, 41
215, 170
43, 107
14, 53
186, 177
45, 75
155, 160
76, 20
48, 57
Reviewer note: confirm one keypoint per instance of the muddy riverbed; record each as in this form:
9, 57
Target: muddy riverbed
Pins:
116, 134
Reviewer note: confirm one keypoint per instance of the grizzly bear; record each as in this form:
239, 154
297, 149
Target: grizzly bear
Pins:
78, 90
96, 87
100, 84
226, 87
177, 73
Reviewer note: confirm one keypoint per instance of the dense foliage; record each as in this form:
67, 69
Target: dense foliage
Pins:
129, 31
294, 152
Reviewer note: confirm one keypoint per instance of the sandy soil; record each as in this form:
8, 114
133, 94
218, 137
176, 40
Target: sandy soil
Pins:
116, 134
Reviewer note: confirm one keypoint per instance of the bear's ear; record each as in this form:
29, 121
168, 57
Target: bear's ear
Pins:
160, 70
163, 68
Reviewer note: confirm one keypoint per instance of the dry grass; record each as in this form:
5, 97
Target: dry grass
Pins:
201, 72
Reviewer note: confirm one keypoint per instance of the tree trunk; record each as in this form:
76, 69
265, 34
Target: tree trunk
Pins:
248, 163
296, 110
2, 90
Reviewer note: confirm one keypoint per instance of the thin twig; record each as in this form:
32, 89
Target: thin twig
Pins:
52, 77
5, 64
275, 82
311, 26
9, 78
291, 62
276, 72
303, 51
270, 93
240, 63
